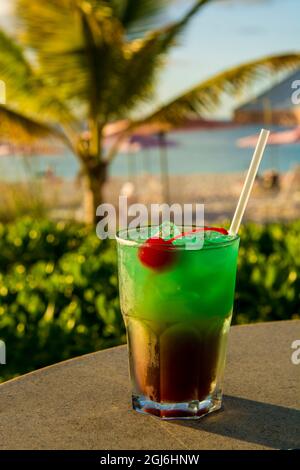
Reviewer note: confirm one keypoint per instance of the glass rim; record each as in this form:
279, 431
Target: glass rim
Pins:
136, 243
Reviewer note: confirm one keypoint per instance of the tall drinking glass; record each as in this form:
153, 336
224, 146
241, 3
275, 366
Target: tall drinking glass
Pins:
177, 321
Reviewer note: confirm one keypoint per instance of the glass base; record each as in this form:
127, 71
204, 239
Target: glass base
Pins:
187, 410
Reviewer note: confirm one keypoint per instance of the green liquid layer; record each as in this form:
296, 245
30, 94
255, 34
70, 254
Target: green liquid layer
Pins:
199, 284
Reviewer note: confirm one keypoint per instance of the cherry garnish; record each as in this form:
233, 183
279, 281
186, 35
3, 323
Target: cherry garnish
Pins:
158, 254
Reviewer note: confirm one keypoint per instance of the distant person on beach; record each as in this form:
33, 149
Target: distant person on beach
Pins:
49, 175
271, 180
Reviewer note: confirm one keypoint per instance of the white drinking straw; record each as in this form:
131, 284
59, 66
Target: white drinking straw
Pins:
244, 197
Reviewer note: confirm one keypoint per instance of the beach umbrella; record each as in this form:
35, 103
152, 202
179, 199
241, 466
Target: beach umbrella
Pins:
35, 149
144, 138
201, 124
159, 131
144, 141
291, 136
160, 141
5, 150
153, 135
130, 149
276, 139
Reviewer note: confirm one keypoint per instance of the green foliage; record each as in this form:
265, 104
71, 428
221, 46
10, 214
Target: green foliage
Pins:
59, 293
268, 280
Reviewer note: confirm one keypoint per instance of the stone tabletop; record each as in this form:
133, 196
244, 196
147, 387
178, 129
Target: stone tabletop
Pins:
84, 403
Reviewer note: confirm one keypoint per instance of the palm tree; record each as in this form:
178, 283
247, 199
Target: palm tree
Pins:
76, 65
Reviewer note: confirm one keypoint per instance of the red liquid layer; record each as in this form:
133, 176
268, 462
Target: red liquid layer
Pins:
177, 365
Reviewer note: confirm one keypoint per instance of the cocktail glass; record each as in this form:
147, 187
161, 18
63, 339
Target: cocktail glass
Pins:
177, 321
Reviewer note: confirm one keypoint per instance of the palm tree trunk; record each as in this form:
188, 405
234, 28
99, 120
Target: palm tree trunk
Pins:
95, 175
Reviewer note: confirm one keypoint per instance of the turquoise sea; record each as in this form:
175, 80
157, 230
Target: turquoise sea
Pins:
205, 151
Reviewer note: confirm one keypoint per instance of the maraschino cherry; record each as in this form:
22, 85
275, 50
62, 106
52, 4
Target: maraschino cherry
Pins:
158, 254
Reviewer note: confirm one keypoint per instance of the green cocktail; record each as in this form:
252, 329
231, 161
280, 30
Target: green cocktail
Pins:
176, 300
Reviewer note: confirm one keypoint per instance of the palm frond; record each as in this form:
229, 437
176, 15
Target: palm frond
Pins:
92, 60
52, 29
142, 59
138, 16
15, 69
21, 128
81, 60
103, 40
206, 96
162, 38
25, 88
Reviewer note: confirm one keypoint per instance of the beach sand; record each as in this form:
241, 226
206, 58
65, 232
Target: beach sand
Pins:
218, 192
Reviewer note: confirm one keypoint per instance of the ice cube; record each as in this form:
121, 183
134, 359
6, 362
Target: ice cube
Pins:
212, 236
139, 234
166, 230
192, 240
145, 233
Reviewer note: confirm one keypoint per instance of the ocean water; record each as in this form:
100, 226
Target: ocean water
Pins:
209, 151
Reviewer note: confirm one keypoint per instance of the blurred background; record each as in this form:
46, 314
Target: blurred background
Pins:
160, 101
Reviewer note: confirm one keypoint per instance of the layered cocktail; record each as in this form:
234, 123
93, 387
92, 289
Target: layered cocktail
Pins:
176, 298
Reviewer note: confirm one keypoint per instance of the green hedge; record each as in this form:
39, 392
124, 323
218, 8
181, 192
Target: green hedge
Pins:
59, 297
268, 281
58, 294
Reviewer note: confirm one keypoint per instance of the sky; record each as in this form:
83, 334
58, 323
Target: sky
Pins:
224, 33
